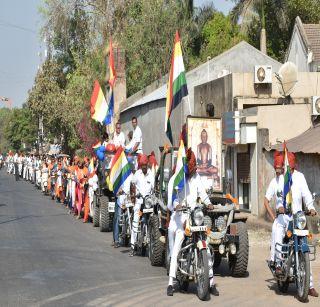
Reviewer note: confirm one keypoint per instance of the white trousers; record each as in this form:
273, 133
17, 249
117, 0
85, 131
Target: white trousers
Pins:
279, 228
73, 193
20, 168
176, 237
135, 223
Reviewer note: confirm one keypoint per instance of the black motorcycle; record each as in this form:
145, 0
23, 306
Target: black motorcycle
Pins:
125, 221
293, 257
193, 262
143, 236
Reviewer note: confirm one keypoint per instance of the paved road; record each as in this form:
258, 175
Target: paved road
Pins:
47, 258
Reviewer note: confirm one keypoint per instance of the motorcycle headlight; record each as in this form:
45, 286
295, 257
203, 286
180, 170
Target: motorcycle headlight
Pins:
148, 203
220, 223
301, 220
198, 217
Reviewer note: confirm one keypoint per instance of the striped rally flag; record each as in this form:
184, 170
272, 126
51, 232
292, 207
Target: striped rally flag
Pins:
91, 166
96, 146
98, 105
178, 179
287, 195
177, 84
120, 170
112, 79
112, 70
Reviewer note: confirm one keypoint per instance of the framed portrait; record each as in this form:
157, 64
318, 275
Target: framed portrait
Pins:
205, 139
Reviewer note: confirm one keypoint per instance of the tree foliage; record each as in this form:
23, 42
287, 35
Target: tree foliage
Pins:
21, 129
5, 114
219, 34
279, 17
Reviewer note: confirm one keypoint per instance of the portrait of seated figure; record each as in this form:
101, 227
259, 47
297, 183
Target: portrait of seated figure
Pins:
205, 157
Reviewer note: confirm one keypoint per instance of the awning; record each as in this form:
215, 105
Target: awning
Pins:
307, 142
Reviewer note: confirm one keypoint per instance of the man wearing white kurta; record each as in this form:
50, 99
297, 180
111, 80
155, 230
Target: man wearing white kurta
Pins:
300, 191
119, 139
144, 183
135, 144
193, 190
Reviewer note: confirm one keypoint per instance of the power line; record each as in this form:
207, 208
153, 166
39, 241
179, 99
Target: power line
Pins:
11, 25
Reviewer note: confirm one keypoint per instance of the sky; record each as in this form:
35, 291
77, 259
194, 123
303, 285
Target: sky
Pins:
20, 45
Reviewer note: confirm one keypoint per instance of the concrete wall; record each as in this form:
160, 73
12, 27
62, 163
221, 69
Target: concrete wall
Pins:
297, 52
241, 58
283, 121
218, 92
243, 86
151, 121
308, 164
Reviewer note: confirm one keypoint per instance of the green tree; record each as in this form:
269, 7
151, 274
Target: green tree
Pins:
277, 17
219, 34
5, 115
21, 130
148, 35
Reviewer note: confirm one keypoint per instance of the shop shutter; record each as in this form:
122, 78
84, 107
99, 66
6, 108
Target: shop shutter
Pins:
243, 167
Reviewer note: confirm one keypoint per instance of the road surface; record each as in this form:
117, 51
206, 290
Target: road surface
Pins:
48, 258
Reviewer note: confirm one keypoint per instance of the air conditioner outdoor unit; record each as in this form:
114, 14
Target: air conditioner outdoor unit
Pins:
316, 105
262, 74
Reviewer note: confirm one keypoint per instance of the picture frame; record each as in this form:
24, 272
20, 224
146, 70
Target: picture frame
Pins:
205, 140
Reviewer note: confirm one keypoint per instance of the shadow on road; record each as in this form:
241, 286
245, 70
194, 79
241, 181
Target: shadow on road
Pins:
272, 285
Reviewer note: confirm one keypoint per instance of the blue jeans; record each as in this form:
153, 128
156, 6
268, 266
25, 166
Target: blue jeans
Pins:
117, 212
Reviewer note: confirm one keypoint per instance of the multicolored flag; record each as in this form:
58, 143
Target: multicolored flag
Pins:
177, 84
178, 180
91, 166
287, 195
112, 71
112, 80
98, 105
109, 118
96, 146
119, 171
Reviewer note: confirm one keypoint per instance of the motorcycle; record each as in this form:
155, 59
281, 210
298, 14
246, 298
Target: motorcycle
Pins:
193, 262
125, 221
294, 257
143, 237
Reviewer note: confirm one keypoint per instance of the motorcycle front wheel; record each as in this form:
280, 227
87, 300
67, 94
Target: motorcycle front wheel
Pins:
202, 273
303, 277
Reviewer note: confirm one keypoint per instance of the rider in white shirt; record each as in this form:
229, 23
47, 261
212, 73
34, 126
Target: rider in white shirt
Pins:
300, 192
193, 190
144, 183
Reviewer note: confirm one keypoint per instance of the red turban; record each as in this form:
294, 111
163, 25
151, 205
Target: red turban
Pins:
291, 159
278, 159
142, 160
152, 159
110, 148
192, 164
